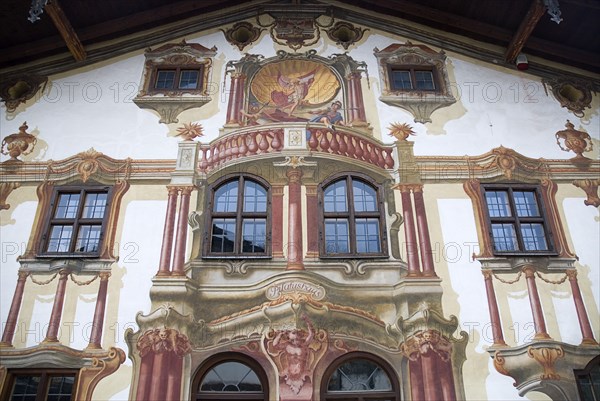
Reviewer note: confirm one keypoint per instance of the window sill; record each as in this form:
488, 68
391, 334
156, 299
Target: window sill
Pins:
354, 256
509, 263
48, 263
169, 106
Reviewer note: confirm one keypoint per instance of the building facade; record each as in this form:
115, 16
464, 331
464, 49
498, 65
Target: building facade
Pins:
300, 204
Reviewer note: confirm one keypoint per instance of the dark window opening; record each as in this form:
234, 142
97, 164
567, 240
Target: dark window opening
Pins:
406, 78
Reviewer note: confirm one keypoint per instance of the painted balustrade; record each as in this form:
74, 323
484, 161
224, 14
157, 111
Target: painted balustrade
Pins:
338, 141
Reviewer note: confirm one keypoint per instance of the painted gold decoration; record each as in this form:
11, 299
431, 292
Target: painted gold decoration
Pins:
5, 189
571, 93
89, 376
163, 340
294, 32
189, 131
546, 357
17, 144
20, 89
401, 131
345, 34
242, 34
590, 187
574, 140
499, 362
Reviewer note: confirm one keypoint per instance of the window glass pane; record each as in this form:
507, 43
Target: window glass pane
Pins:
359, 375
497, 202
88, 239
364, 197
188, 79
526, 204
223, 235
231, 377
255, 235
401, 79
335, 197
67, 206
165, 79
226, 197
60, 238
367, 236
534, 238
94, 206
25, 388
505, 237
337, 236
60, 388
255, 197
424, 80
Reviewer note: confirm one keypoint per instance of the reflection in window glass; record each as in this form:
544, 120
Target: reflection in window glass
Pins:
526, 204
25, 388
424, 80
94, 206
401, 79
67, 206
60, 388
231, 377
335, 197
497, 202
534, 238
365, 197
255, 235
359, 375
505, 237
255, 197
226, 197
60, 238
367, 236
88, 239
188, 79
223, 235
165, 79
337, 236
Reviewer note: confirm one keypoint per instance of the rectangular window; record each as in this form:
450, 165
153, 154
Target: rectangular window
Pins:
177, 78
76, 220
41, 386
516, 220
408, 78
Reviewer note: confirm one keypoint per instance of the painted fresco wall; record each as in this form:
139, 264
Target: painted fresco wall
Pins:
92, 107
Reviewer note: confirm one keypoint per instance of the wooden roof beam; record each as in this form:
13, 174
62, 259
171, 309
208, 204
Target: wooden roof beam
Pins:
66, 30
536, 10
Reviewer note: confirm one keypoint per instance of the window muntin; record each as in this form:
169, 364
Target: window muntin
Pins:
358, 378
408, 78
516, 220
588, 381
42, 386
240, 223
352, 222
76, 221
172, 78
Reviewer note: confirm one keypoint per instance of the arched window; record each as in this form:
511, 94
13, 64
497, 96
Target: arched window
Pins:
231, 377
359, 377
240, 218
352, 223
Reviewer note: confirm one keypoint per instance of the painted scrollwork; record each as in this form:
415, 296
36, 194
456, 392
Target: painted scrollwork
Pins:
345, 34
242, 34
20, 89
163, 340
575, 95
590, 188
424, 342
546, 357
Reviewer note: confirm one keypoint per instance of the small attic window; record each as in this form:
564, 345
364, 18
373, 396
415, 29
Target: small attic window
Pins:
407, 78
177, 78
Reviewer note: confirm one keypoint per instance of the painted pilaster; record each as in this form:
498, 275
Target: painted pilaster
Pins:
164, 268
236, 98
356, 106
57, 308
497, 334
277, 220
409, 232
312, 233
98, 322
295, 247
423, 230
13, 313
181, 236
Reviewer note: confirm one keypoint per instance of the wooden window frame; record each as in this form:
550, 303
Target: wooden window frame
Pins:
230, 357
394, 394
152, 89
45, 375
412, 69
516, 220
50, 221
239, 216
580, 373
351, 215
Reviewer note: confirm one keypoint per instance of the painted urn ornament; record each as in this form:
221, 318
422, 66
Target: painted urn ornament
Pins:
17, 144
574, 140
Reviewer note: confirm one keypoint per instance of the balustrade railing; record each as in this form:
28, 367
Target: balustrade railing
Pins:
338, 141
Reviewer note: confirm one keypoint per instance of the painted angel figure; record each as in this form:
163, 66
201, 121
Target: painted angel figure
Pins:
295, 90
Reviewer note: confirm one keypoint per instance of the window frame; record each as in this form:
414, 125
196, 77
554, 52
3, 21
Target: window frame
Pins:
178, 68
218, 359
585, 372
50, 220
516, 220
394, 394
239, 215
351, 215
45, 376
412, 69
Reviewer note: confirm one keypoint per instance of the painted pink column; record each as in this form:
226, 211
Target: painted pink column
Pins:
357, 106
57, 308
98, 323
431, 373
493, 308
416, 380
447, 379
277, 220
13, 313
181, 238
582, 316
175, 373
295, 247
236, 98
423, 230
158, 384
164, 268
409, 231
536, 306
143, 388
312, 229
